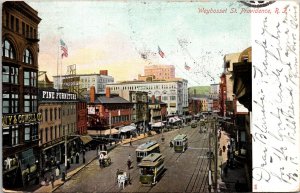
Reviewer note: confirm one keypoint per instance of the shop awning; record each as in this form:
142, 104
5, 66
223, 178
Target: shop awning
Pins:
110, 131
86, 139
127, 128
158, 124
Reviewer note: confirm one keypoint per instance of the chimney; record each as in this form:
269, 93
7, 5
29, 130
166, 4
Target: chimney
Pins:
103, 72
159, 98
92, 94
107, 92
153, 99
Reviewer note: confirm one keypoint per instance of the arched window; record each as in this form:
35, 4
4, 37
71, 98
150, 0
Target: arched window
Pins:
27, 57
8, 50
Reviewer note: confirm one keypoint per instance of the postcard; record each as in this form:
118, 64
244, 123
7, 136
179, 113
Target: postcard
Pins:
150, 96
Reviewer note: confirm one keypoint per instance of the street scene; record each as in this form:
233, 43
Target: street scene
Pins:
132, 96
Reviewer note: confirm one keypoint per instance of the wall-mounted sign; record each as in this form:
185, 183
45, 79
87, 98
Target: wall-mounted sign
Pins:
8, 120
56, 96
91, 111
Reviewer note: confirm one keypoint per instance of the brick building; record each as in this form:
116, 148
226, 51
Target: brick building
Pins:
19, 93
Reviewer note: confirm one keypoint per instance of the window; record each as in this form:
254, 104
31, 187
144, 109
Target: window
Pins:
23, 28
27, 57
7, 19
46, 115
172, 98
8, 50
10, 74
12, 22
5, 103
10, 103
17, 25
55, 113
27, 103
27, 133
31, 32
55, 132
14, 136
59, 113
51, 114
27, 30
30, 78
47, 135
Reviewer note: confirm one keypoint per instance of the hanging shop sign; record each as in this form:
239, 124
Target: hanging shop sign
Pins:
8, 120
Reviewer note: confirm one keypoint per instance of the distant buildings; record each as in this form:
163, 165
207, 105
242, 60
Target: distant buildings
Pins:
160, 72
85, 81
174, 92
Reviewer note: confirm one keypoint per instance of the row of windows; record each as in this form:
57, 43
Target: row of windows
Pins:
54, 114
148, 87
9, 51
56, 132
10, 103
13, 23
118, 119
11, 135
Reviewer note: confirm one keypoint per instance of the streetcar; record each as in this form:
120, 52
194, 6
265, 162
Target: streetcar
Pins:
151, 168
145, 149
180, 143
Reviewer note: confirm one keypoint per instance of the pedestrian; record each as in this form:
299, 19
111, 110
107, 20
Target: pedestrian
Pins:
224, 148
83, 159
100, 147
130, 143
57, 172
100, 162
77, 158
52, 181
105, 148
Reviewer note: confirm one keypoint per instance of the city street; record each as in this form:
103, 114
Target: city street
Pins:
185, 172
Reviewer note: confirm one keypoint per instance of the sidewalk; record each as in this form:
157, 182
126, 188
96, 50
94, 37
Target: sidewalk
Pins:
89, 156
227, 182
139, 137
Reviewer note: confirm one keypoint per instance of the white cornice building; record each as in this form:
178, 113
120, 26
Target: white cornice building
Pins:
174, 92
85, 81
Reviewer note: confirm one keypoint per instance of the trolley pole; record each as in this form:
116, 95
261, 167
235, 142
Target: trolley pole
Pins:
209, 150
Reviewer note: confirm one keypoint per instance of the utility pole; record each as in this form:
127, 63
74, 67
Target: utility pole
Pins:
110, 127
216, 155
209, 150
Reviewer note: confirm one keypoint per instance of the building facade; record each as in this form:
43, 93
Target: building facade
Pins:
87, 80
107, 111
140, 105
58, 109
173, 92
81, 110
160, 72
20, 117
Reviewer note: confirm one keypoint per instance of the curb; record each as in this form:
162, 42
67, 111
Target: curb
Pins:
78, 170
68, 178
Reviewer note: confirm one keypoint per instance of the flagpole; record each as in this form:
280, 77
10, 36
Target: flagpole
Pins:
58, 57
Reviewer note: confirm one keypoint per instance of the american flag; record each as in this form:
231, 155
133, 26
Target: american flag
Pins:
161, 52
187, 67
64, 48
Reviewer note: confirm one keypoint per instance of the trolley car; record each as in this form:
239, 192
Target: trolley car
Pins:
145, 149
180, 143
151, 168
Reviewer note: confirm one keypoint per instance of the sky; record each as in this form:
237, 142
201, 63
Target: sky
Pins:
123, 37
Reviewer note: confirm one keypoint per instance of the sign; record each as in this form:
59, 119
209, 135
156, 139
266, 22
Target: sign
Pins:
8, 120
56, 96
91, 111
68, 80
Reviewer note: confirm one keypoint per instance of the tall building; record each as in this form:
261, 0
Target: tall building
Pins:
86, 81
174, 92
20, 117
161, 72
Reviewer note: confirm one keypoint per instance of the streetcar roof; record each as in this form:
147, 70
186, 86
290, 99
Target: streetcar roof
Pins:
151, 160
180, 137
147, 146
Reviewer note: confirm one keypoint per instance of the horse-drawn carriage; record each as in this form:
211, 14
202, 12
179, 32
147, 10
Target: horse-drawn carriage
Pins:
104, 159
122, 178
